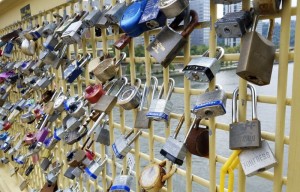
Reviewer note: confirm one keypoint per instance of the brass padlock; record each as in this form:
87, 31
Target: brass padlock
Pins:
168, 42
266, 7
105, 69
154, 176
256, 58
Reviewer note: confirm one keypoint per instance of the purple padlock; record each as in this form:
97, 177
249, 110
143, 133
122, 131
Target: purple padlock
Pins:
42, 134
5, 75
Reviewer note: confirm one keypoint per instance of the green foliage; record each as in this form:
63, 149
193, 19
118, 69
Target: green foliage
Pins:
198, 50
139, 51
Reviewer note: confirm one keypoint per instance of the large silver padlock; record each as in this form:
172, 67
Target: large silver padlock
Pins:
141, 120
43, 82
234, 24
92, 18
115, 14
67, 22
204, 68
130, 98
173, 149
257, 160
52, 175
50, 43
172, 8
211, 104
122, 145
71, 123
160, 109
244, 135
78, 108
95, 168
102, 134
46, 162
49, 29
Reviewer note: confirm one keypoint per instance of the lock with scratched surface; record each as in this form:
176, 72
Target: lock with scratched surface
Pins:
130, 98
172, 8
204, 68
244, 135
95, 168
114, 14
168, 42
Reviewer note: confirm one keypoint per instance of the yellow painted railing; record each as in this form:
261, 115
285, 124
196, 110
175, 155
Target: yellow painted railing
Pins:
281, 101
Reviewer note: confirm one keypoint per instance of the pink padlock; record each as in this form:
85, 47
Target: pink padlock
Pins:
42, 134
35, 158
29, 138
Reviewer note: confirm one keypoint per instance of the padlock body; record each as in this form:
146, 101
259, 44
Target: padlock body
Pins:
121, 148
172, 8
197, 142
166, 46
234, 24
115, 14
203, 69
210, 104
245, 135
122, 42
74, 33
105, 104
122, 183
72, 72
44, 165
68, 173
227, 2
102, 136
256, 59
160, 109
257, 160
141, 120
92, 18
152, 16
42, 134
174, 150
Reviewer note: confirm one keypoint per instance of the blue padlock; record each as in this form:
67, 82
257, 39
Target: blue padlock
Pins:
75, 69
3, 136
2, 43
131, 18
152, 16
8, 49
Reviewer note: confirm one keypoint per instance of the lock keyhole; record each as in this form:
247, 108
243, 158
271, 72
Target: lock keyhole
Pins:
208, 113
227, 30
250, 77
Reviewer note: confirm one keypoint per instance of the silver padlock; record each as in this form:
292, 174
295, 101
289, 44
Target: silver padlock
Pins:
211, 104
115, 14
122, 145
77, 172
160, 109
46, 162
92, 18
43, 82
204, 68
77, 109
122, 183
102, 134
244, 135
130, 98
49, 29
52, 175
103, 22
71, 123
50, 43
95, 168
14, 149
141, 120
173, 149
234, 24
172, 8
68, 173
257, 160
4, 160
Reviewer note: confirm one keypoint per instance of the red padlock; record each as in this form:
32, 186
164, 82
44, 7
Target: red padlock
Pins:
93, 93
90, 154
7, 125
1, 53
38, 113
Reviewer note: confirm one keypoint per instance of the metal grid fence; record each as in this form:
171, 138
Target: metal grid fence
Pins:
280, 100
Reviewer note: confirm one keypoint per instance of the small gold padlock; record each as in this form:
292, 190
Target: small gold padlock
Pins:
154, 176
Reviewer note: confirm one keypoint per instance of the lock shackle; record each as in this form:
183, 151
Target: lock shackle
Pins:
84, 60
170, 90
104, 160
154, 86
144, 96
115, 83
217, 87
135, 137
253, 103
219, 53
122, 57
192, 24
182, 119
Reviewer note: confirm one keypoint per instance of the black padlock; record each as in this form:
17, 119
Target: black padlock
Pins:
29, 169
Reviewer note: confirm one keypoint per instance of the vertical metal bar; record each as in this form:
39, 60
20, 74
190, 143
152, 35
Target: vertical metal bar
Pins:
281, 93
293, 174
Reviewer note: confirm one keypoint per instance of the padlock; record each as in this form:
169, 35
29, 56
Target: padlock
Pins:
44, 82
131, 17
46, 162
266, 7
102, 135
75, 69
4, 160
67, 22
204, 68
3, 98
130, 98
76, 156
71, 123
29, 138
256, 58
122, 145
173, 149
50, 43
28, 47
58, 135
23, 185
7, 52
163, 49
21, 159
122, 183
227, 2
211, 104
103, 22
42, 134
14, 149
77, 108
244, 135
75, 136
107, 69
122, 42
59, 102
93, 93
115, 14
49, 29
34, 148
154, 176
29, 169
92, 18
172, 8
3, 136
257, 160
49, 188
234, 24
28, 117
160, 108
152, 16
52, 177
141, 120
197, 142
10, 35
68, 173
77, 172
35, 158
95, 168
